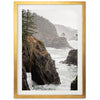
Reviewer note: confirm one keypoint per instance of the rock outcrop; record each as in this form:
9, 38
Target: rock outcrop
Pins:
39, 62
74, 84
47, 33
24, 80
72, 57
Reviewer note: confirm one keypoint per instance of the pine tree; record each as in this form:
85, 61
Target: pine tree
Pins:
63, 34
28, 25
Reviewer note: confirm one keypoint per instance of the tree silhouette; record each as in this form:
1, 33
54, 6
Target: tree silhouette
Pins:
28, 25
63, 34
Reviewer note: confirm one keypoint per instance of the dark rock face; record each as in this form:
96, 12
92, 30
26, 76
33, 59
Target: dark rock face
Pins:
48, 34
39, 62
72, 57
24, 80
26, 57
74, 84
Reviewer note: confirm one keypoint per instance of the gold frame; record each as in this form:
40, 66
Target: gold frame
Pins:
83, 47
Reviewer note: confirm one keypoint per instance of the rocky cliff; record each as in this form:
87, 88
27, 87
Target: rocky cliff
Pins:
38, 61
47, 33
67, 32
72, 57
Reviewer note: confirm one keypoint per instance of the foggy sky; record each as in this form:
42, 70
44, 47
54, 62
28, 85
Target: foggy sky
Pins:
68, 15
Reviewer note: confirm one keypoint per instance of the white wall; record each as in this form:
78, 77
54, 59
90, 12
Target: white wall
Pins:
93, 49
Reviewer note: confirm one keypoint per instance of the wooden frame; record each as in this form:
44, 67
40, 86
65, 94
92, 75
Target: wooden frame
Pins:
83, 48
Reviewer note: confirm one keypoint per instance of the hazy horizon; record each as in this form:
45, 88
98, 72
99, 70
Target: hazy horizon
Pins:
67, 15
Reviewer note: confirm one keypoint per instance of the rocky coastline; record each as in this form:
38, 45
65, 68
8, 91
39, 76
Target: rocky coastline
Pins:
38, 61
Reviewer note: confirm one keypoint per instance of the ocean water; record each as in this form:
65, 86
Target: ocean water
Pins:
66, 73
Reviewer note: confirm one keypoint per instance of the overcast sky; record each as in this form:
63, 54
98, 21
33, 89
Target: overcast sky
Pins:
68, 15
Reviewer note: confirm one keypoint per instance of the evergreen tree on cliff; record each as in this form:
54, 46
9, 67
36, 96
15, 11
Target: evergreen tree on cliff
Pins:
27, 24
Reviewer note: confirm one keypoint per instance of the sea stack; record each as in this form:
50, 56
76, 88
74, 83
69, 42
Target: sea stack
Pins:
38, 61
72, 57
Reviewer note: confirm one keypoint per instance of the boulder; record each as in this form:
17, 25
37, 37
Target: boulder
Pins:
74, 84
38, 61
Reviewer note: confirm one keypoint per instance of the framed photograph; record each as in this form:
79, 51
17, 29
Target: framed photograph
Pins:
49, 49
